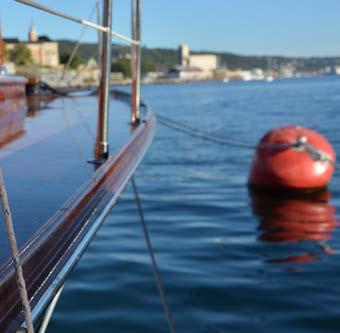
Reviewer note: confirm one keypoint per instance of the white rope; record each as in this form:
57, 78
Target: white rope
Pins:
15, 256
49, 311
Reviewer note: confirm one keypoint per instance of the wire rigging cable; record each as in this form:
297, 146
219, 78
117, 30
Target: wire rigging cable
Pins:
153, 261
78, 44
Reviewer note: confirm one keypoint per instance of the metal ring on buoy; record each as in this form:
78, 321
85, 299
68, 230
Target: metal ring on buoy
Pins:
292, 158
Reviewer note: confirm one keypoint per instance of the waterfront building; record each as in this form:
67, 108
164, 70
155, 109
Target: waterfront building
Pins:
44, 51
203, 64
206, 62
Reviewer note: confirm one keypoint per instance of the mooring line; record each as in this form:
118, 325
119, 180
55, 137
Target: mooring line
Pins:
202, 134
153, 261
15, 256
313, 151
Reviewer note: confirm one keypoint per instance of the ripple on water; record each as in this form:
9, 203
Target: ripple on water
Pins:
220, 272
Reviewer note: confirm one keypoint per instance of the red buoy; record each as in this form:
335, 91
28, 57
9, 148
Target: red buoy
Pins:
292, 158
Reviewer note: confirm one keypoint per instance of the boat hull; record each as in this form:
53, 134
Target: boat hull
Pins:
49, 256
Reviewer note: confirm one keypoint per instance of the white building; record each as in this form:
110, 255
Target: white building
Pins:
190, 63
206, 62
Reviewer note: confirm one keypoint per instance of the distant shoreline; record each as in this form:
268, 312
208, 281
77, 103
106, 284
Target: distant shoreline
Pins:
127, 82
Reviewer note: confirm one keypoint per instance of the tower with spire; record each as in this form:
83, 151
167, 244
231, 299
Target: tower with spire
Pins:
44, 51
33, 34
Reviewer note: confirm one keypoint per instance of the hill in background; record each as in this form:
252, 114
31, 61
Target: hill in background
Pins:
165, 58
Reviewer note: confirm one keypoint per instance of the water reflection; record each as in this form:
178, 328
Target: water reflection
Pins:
13, 112
294, 219
39, 103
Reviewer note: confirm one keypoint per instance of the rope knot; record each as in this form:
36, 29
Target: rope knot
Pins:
302, 144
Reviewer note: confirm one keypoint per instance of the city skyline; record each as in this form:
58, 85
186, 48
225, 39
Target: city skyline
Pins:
243, 27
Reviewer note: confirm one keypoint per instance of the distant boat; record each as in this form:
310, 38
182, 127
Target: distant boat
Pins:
269, 79
225, 80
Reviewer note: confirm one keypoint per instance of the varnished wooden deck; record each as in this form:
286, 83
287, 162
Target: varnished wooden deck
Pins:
58, 199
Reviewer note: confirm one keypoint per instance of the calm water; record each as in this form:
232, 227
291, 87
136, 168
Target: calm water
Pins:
230, 261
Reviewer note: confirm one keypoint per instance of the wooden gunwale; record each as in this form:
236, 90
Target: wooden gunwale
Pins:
46, 253
12, 87
12, 80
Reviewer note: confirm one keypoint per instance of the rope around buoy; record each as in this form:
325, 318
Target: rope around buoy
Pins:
300, 143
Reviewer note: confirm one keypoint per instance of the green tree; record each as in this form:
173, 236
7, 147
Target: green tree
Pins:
5, 50
7, 54
21, 54
122, 66
76, 61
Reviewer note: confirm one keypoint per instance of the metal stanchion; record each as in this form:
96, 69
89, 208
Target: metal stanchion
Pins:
136, 11
102, 147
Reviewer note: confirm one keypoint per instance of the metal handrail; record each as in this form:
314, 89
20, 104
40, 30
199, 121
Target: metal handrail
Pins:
77, 20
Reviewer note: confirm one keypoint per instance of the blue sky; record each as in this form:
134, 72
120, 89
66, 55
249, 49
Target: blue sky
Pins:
283, 27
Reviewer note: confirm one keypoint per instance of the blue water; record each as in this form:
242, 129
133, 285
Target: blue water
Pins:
230, 261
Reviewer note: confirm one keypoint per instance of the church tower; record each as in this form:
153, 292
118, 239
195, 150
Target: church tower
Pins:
32, 34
